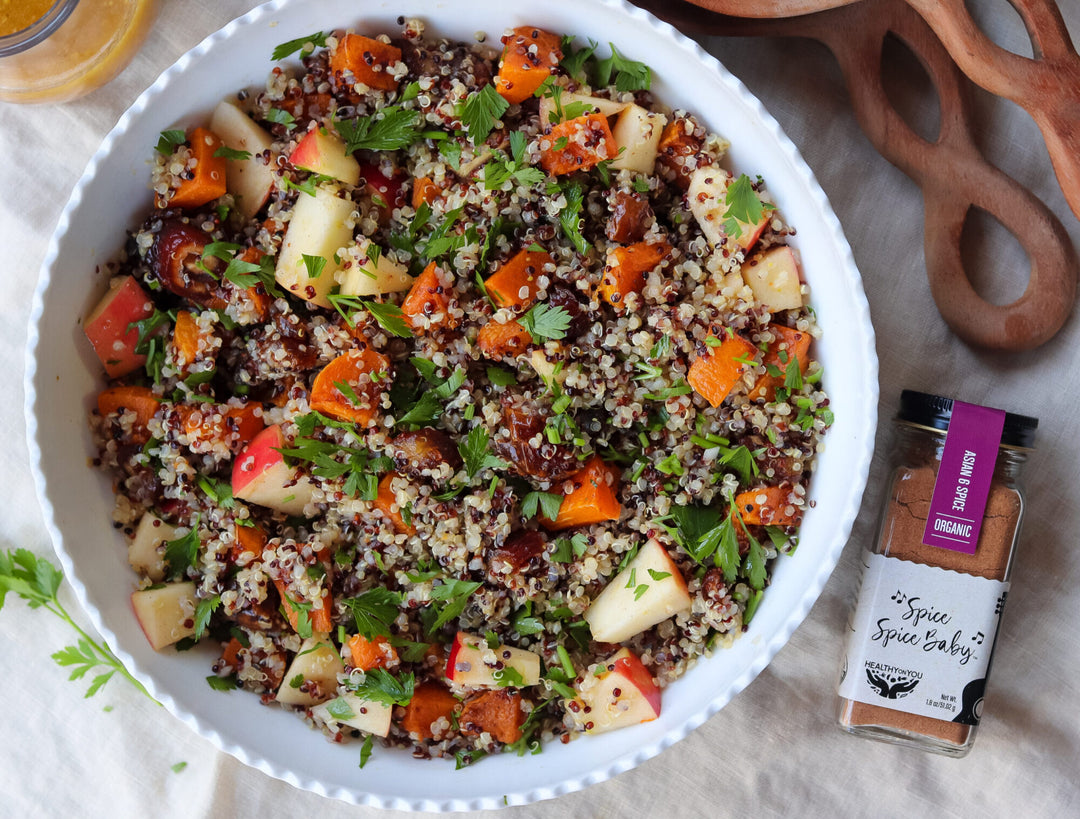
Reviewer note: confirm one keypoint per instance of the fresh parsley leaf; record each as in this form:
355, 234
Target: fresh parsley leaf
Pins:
454, 595
508, 677
743, 206
339, 709
305, 45
630, 75
178, 767
170, 140
479, 112
280, 117
548, 503
739, 460
450, 151
203, 611
500, 377
389, 316
37, 581
396, 129
365, 749
229, 683
573, 61
374, 611
314, 265
181, 553
793, 380
426, 410
570, 217
232, 153
475, 454
546, 322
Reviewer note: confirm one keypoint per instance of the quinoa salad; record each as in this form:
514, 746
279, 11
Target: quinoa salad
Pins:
460, 395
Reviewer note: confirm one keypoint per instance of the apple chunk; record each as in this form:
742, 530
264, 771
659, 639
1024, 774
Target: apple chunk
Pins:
312, 675
107, 326
773, 275
249, 180
318, 228
622, 694
648, 591
145, 552
324, 153
637, 134
261, 476
367, 278
707, 196
597, 105
473, 664
363, 715
166, 614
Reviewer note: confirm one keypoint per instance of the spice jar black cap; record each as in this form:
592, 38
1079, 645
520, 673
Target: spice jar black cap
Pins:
935, 411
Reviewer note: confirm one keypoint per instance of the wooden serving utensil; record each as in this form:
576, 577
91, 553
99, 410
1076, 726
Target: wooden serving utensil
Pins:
856, 33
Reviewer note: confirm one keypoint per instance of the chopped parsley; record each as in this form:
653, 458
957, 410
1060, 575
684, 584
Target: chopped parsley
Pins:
379, 685
546, 322
397, 128
743, 206
169, 141
475, 453
231, 153
280, 117
181, 553
479, 112
449, 600
305, 45
570, 216
374, 611
629, 75
547, 503
389, 316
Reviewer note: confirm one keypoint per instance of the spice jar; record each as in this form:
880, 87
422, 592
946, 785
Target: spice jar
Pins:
57, 50
934, 584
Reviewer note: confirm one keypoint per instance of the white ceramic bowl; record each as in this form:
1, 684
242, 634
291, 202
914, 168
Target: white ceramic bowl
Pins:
63, 376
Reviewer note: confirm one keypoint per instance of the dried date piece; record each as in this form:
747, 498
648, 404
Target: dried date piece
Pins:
525, 447
424, 450
631, 217
520, 554
176, 259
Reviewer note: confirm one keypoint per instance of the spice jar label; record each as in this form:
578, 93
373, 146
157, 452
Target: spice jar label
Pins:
963, 480
921, 639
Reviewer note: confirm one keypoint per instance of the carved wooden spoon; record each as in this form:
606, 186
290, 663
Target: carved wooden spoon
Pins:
951, 171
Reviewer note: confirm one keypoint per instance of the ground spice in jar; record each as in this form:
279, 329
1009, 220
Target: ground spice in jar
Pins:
935, 582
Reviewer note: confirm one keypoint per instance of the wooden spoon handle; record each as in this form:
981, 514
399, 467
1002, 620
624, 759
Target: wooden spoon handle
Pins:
1047, 87
951, 171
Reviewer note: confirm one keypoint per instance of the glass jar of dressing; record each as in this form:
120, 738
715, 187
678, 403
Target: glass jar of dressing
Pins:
57, 50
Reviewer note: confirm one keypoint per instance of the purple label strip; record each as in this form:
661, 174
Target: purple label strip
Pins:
963, 481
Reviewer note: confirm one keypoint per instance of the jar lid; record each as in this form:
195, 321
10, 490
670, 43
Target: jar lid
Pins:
935, 411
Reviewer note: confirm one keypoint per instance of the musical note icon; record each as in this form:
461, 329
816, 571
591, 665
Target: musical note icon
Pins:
898, 597
978, 639
1000, 603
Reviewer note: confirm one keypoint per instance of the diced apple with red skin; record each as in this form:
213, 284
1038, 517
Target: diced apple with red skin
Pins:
324, 153
317, 228
145, 552
624, 609
473, 665
623, 694
367, 715
108, 323
707, 198
773, 275
166, 614
248, 180
261, 476
386, 191
314, 671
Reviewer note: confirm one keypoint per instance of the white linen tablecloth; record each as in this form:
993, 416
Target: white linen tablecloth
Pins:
774, 751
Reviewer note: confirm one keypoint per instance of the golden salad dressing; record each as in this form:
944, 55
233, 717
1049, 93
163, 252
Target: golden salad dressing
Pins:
61, 49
